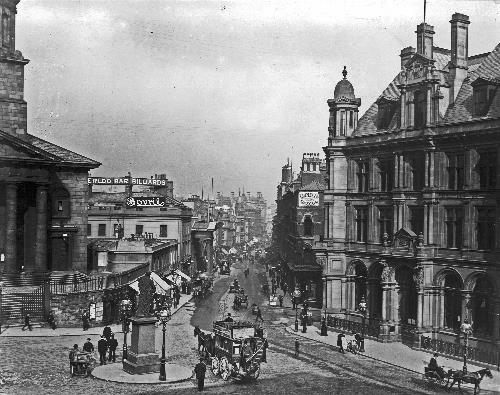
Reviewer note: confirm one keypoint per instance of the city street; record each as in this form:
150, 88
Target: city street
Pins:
40, 365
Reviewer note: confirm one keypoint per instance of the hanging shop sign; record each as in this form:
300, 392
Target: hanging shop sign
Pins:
126, 181
145, 201
308, 199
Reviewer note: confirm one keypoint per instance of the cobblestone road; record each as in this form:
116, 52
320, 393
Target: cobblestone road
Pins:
40, 365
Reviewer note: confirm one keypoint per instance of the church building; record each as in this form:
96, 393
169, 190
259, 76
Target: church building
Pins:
43, 187
411, 207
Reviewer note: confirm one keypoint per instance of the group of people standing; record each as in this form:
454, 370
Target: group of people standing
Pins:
106, 346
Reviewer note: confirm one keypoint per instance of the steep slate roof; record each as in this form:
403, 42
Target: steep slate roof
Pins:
485, 66
48, 151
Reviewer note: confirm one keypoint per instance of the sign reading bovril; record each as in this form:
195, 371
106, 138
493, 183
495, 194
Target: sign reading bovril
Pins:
308, 199
145, 201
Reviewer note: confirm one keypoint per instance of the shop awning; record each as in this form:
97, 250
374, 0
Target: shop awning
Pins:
184, 276
160, 285
174, 280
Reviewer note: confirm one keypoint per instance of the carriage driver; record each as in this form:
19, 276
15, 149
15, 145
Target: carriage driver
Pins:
433, 365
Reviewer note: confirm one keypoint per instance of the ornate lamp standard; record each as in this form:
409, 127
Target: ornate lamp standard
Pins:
466, 329
164, 317
126, 309
362, 309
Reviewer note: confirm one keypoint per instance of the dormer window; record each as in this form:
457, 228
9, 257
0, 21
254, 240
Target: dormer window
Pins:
483, 95
420, 101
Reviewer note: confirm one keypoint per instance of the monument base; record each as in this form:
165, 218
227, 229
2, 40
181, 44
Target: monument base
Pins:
142, 357
141, 363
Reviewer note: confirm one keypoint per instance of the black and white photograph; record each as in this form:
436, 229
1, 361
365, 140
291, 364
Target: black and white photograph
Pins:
249, 197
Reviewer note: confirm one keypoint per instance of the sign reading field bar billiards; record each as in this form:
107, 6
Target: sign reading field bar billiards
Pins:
125, 181
145, 201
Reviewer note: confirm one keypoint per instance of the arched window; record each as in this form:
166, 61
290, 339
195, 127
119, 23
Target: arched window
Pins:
61, 204
308, 226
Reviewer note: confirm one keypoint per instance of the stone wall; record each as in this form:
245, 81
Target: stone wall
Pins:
68, 308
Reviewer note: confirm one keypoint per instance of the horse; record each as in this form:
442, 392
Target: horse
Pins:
202, 337
470, 377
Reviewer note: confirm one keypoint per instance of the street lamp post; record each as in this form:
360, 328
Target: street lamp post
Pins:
164, 318
296, 319
126, 307
466, 329
362, 309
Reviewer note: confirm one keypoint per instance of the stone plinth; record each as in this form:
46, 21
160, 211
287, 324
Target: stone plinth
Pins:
142, 357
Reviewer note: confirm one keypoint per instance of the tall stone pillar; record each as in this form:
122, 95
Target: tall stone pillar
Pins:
325, 299
329, 295
210, 253
11, 231
41, 229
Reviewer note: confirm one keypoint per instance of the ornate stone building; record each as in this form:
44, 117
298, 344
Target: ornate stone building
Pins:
43, 187
411, 208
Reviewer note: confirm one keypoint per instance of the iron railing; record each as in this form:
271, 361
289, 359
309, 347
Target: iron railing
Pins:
370, 328
457, 350
89, 284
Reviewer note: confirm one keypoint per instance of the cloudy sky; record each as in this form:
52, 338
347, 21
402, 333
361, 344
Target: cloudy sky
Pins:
201, 89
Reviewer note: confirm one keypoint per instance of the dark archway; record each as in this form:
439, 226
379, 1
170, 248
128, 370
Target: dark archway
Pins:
375, 292
481, 307
408, 296
360, 282
308, 226
452, 300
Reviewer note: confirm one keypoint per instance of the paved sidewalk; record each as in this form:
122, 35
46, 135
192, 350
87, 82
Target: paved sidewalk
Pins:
16, 331
398, 354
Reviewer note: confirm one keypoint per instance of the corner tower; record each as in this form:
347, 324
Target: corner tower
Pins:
343, 109
12, 105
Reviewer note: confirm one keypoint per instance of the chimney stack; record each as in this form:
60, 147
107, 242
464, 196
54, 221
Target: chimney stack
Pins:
459, 53
406, 54
425, 40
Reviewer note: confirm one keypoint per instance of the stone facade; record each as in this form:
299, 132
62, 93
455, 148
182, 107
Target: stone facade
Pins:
411, 208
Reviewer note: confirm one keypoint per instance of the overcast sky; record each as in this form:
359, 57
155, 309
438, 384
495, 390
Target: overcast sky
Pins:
201, 89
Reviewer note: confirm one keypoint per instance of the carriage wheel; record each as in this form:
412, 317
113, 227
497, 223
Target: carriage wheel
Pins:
225, 369
255, 375
215, 366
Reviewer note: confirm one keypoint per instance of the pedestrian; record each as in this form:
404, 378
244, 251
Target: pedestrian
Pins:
107, 332
359, 340
264, 350
340, 342
324, 329
228, 318
102, 348
51, 319
200, 369
297, 346
294, 303
112, 346
27, 322
85, 320
284, 287
73, 357
88, 346
280, 298
259, 315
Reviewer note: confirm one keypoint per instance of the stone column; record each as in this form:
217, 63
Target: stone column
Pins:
441, 309
210, 253
325, 295
11, 230
329, 294
41, 229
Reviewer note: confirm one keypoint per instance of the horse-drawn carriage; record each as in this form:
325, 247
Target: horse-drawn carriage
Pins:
456, 376
234, 287
240, 299
235, 349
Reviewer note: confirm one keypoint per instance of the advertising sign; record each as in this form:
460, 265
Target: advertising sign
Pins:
243, 333
308, 199
125, 181
145, 201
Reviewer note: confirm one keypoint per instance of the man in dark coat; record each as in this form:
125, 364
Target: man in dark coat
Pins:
102, 348
264, 350
88, 346
107, 332
85, 320
112, 345
339, 342
27, 322
51, 319
228, 318
433, 365
200, 369
259, 315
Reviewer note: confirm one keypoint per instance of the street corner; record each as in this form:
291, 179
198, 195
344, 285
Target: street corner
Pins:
114, 372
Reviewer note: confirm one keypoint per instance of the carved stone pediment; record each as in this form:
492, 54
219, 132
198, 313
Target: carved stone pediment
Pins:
418, 68
405, 238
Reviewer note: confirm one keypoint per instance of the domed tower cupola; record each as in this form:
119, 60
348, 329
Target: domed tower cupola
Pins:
343, 109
